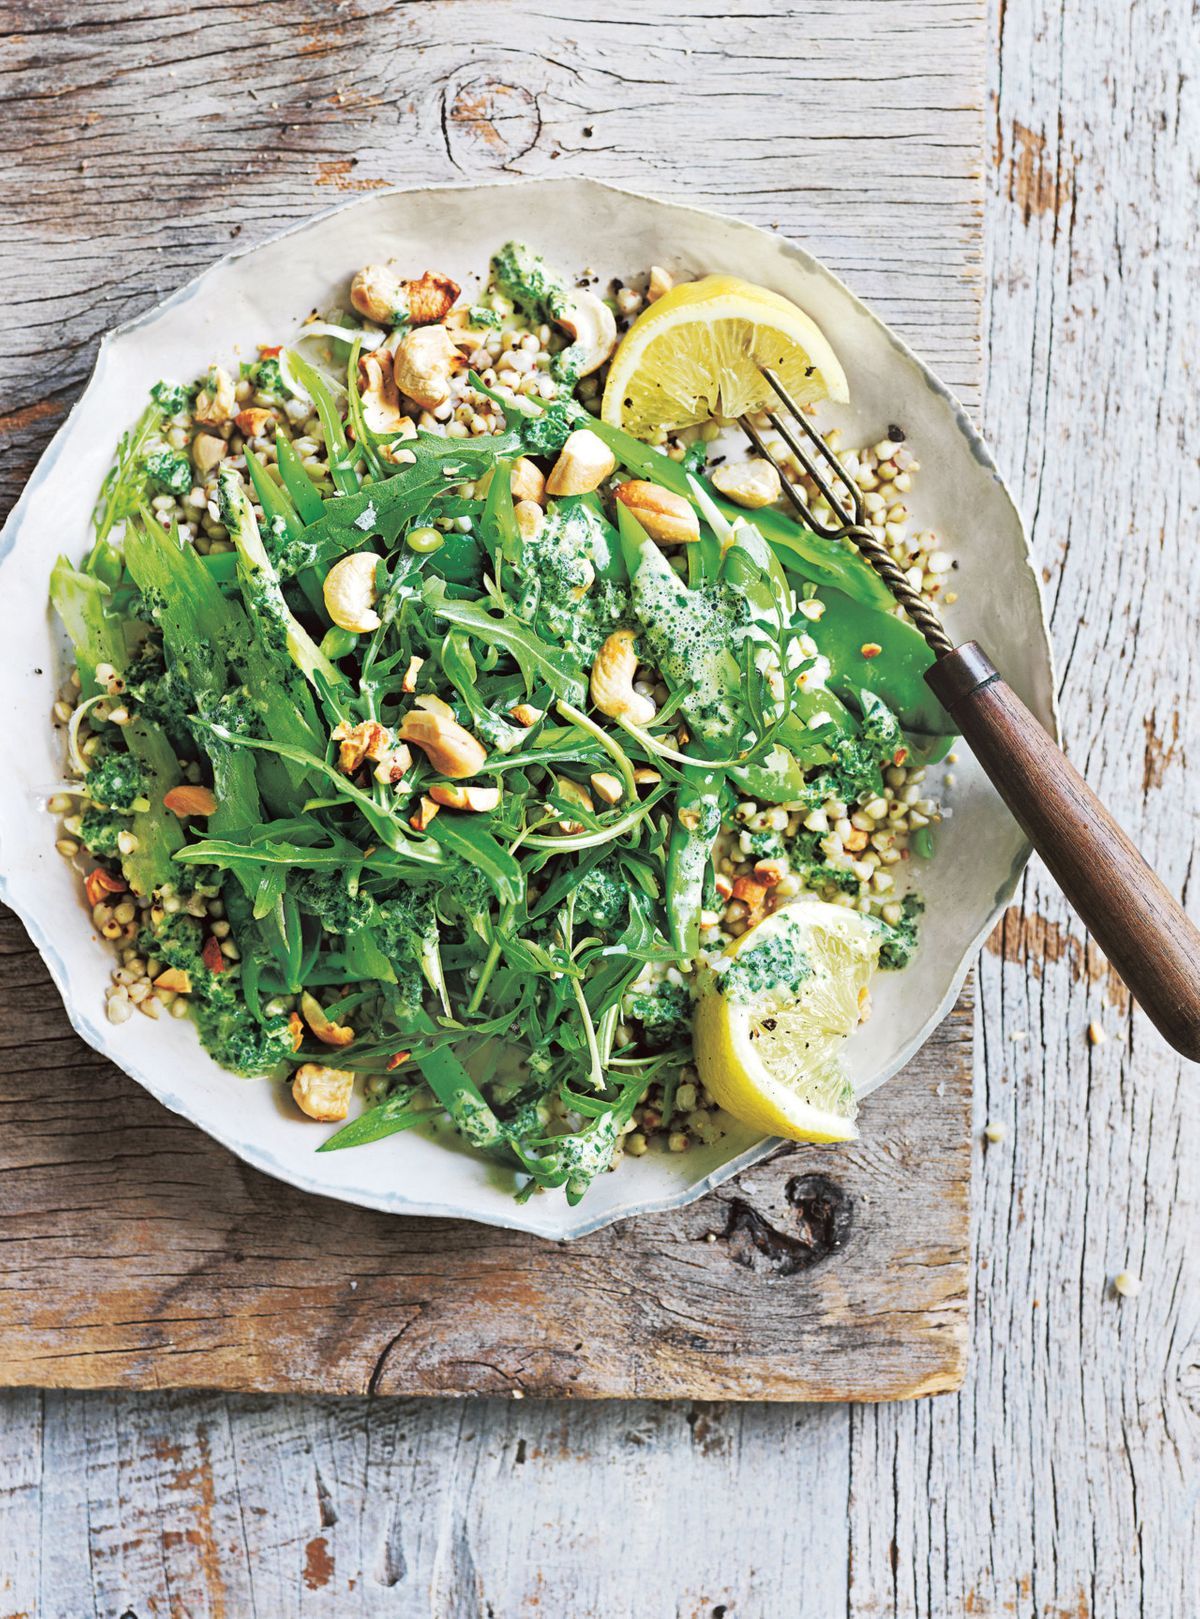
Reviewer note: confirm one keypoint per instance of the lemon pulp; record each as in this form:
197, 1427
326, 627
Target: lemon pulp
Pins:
695, 356
774, 1014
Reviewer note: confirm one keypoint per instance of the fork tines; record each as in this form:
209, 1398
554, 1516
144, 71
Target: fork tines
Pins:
817, 459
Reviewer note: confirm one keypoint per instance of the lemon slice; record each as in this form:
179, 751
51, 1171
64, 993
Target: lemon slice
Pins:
695, 354
774, 1014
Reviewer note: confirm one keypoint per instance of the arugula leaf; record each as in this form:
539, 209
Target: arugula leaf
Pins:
537, 661
462, 835
385, 1119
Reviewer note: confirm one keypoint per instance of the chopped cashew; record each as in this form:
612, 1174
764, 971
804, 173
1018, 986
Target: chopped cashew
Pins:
379, 295
611, 789
323, 1093
208, 451
661, 282
583, 464
349, 592
591, 325
328, 1032
527, 481
393, 766
423, 363
479, 799
377, 292
99, 883
252, 422
430, 298
187, 800
574, 794
215, 401
415, 665
367, 740
434, 704
380, 396
752, 483
612, 681
423, 814
450, 749
526, 714
665, 516
530, 517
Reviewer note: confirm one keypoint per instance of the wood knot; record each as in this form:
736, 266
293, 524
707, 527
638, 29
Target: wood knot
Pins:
489, 124
825, 1209
824, 1216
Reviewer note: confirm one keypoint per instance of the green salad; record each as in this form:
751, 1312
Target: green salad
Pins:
428, 733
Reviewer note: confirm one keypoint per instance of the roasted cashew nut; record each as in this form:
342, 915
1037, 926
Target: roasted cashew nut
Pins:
379, 295
323, 1093
592, 327
449, 747
349, 592
612, 681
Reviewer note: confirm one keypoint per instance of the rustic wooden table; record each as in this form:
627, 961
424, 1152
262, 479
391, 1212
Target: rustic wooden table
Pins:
1062, 1480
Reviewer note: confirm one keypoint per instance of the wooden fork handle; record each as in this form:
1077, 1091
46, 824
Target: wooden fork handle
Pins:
1142, 929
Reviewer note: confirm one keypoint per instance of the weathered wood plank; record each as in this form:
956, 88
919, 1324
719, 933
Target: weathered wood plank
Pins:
139, 1253
660, 1312
853, 125
1063, 1480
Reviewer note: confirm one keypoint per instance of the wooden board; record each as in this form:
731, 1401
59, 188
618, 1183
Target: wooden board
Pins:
140, 1254
167, 1263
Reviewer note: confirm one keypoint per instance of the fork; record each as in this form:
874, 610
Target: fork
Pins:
1140, 926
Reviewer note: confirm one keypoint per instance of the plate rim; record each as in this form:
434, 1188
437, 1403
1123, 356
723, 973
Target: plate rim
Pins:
521, 1215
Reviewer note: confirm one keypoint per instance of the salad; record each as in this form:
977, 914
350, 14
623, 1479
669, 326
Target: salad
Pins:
462, 734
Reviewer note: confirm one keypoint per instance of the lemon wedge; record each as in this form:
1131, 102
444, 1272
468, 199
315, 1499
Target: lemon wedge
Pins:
774, 1013
694, 356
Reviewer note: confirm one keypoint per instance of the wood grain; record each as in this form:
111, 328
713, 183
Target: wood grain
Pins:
1061, 1481
183, 1280
139, 1253
1143, 930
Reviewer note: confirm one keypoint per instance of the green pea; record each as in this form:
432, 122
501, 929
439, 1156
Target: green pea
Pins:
337, 642
424, 540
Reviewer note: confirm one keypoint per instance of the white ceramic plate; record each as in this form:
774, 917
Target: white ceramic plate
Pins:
259, 295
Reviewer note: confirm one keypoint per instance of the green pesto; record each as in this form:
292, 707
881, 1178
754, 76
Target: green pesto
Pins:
526, 278
602, 898
689, 633
900, 938
775, 967
169, 471
228, 1030
267, 376
562, 595
116, 782
547, 432
98, 832
171, 397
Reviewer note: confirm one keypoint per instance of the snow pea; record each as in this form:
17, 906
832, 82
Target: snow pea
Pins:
896, 672
694, 830
776, 779
825, 562
605, 553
